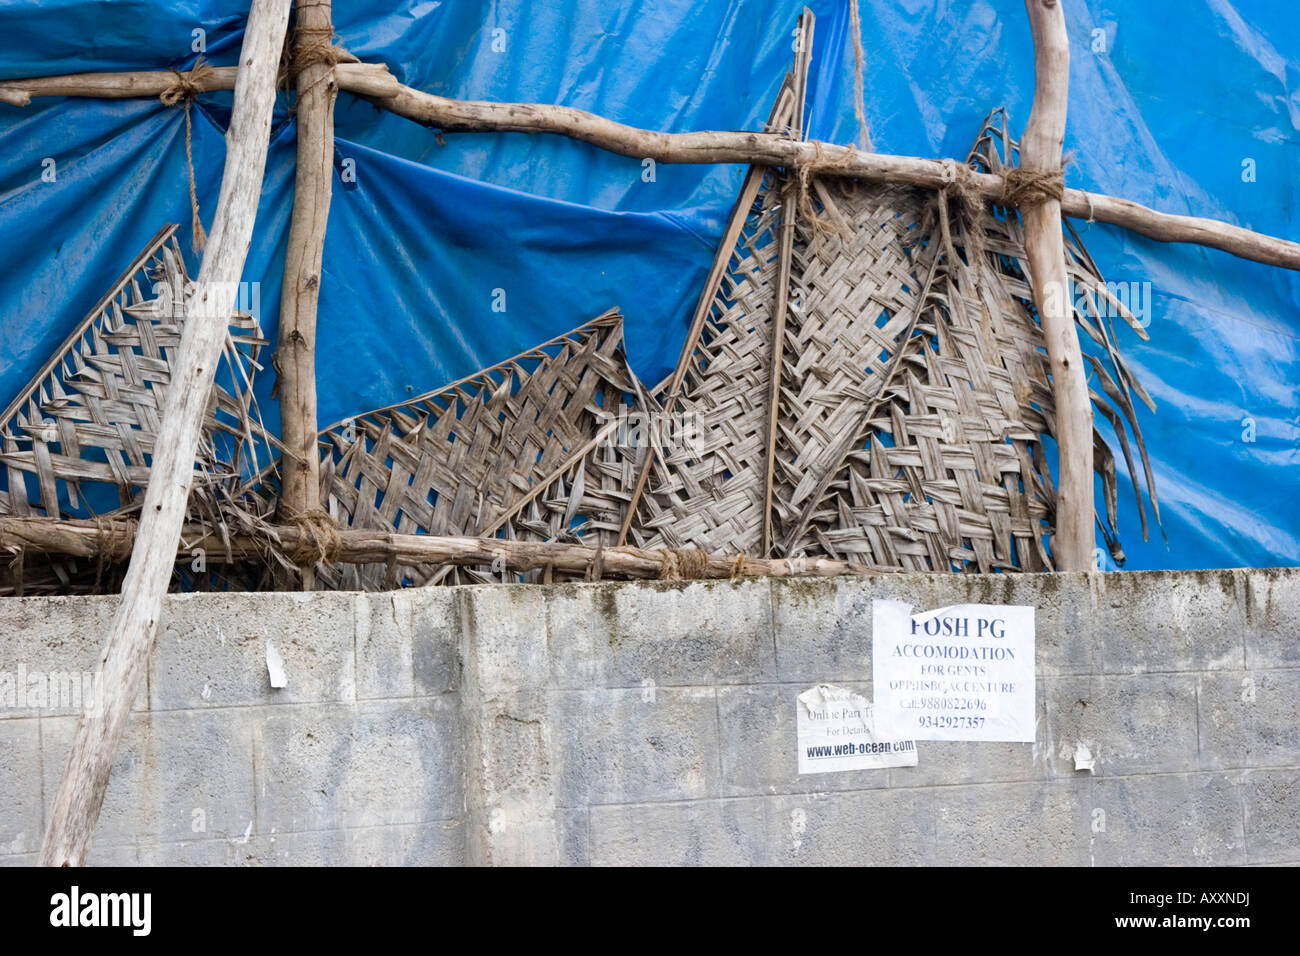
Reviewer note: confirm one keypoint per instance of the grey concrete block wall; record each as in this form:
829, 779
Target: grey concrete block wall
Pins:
655, 723
354, 762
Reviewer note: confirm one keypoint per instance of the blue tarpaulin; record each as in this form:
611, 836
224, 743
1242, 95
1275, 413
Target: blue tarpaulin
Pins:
1188, 106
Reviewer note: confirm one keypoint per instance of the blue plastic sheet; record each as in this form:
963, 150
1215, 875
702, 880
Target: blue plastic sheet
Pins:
1189, 106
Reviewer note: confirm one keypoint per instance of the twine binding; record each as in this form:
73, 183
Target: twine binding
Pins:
187, 86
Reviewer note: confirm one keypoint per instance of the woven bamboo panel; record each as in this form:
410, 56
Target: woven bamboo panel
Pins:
79, 438
708, 494
583, 504
490, 452
914, 390
950, 473
856, 294
88, 420
946, 478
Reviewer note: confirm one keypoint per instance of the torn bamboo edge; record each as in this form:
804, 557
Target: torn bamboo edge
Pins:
373, 82
1041, 146
113, 538
124, 659
300, 293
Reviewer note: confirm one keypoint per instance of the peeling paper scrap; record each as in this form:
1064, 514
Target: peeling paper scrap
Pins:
1083, 758
275, 666
836, 732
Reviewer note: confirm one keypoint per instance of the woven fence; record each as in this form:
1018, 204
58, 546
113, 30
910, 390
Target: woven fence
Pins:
79, 438
912, 401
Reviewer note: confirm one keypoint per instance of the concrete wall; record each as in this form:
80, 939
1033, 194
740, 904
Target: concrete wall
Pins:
655, 723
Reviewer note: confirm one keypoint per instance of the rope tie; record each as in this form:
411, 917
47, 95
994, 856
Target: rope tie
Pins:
183, 90
109, 542
668, 570
959, 180
318, 541
821, 227
312, 46
187, 85
1025, 188
738, 566
859, 100
678, 564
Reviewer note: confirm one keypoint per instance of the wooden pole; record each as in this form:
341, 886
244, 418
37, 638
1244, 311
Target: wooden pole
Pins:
363, 79
126, 652
112, 539
300, 294
770, 149
373, 82
1040, 152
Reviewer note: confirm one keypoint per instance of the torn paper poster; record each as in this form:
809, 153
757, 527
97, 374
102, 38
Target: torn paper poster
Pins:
275, 666
836, 733
964, 672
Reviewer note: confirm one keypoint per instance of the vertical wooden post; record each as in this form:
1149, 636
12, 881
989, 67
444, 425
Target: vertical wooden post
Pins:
313, 182
126, 652
1040, 152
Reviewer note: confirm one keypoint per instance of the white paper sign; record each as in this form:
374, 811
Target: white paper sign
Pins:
836, 733
964, 672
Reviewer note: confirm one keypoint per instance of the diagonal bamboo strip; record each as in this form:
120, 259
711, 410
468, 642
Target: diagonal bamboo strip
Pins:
782, 114
789, 212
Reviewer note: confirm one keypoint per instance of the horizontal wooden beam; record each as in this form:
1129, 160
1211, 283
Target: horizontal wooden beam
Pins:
373, 81
363, 79
114, 538
775, 149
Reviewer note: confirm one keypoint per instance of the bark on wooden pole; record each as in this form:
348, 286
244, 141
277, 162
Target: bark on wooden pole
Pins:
126, 652
313, 58
1040, 152
372, 81
112, 539
363, 79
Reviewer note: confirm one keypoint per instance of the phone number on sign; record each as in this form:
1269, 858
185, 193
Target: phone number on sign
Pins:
945, 703
942, 723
